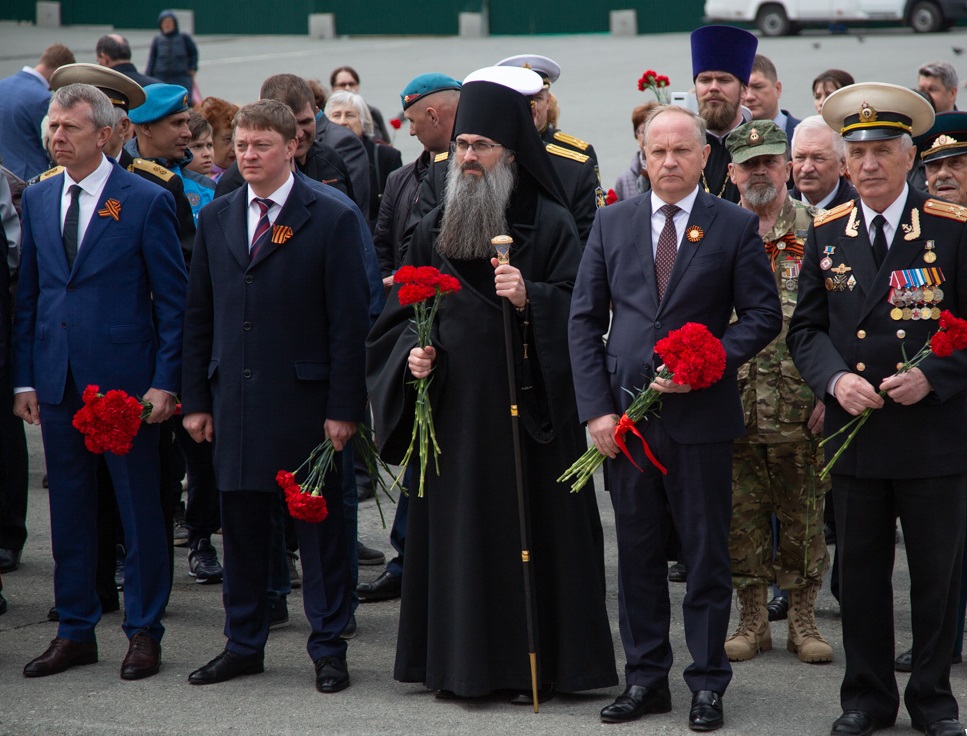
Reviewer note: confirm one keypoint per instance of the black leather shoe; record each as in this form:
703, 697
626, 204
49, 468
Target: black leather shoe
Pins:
143, 658
227, 666
857, 723
948, 727
526, 697
61, 654
706, 713
904, 662
9, 560
778, 608
331, 674
384, 588
637, 701
677, 573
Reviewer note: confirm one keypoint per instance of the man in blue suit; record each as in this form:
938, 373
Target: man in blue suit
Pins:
275, 331
23, 103
653, 263
100, 301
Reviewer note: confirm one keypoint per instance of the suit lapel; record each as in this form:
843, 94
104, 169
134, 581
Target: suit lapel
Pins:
114, 188
856, 251
233, 219
642, 231
293, 215
54, 220
702, 216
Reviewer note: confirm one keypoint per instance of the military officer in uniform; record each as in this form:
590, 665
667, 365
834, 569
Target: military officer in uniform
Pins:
876, 274
773, 471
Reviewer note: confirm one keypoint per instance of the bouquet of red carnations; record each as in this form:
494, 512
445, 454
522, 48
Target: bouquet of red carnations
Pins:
110, 422
692, 356
951, 336
657, 83
424, 287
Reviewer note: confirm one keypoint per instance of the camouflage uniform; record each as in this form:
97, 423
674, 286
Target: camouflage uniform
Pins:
775, 467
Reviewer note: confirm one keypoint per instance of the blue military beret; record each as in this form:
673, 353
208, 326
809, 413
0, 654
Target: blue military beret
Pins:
723, 49
161, 100
426, 84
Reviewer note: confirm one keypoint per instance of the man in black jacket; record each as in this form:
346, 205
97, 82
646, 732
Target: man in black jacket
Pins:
114, 52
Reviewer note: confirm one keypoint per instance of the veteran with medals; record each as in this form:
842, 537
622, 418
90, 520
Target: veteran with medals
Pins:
876, 272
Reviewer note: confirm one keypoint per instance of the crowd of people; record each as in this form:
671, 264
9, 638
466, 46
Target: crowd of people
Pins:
233, 266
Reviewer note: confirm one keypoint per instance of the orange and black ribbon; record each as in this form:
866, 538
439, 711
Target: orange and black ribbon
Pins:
112, 208
626, 425
790, 246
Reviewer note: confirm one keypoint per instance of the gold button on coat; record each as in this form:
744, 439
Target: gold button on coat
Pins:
861, 367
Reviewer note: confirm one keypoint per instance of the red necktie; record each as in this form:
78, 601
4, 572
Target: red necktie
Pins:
263, 227
667, 248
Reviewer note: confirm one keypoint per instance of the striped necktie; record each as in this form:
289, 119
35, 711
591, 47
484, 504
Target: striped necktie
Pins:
261, 234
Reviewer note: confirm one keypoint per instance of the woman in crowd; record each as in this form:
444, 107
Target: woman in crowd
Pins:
346, 78
220, 115
828, 82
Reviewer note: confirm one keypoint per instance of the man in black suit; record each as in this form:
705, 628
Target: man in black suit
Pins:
625, 274
268, 378
876, 274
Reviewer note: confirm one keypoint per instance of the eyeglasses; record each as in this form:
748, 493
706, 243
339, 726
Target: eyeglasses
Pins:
481, 148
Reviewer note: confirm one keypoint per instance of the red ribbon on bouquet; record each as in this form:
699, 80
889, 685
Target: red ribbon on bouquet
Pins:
624, 425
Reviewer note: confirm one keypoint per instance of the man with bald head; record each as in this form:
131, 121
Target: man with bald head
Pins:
114, 52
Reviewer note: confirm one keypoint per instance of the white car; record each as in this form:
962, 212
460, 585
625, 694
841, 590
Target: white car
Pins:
787, 17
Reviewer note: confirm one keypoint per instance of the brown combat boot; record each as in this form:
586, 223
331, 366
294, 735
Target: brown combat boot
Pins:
804, 637
753, 634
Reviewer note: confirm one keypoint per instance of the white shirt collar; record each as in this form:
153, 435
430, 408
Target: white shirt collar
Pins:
94, 182
34, 73
278, 197
892, 214
685, 204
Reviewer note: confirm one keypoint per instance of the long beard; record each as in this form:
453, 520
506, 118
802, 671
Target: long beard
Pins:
719, 119
474, 209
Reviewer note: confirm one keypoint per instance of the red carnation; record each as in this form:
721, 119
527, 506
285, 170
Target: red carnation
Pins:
611, 198
955, 329
405, 275
942, 345
305, 506
109, 422
415, 293
694, 355
396, 123
427, 276
448, 284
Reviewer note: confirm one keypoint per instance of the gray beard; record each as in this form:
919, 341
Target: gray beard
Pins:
760, 194
474, 210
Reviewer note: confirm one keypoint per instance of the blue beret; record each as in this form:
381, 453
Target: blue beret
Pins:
426, 84
161, 100
723, 49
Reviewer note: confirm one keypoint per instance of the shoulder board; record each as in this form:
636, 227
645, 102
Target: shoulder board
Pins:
139, 164
567, 153
945, 209
834, 214
51, 172
571, 140
441, 156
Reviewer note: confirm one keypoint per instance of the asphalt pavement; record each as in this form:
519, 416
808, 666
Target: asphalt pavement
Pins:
772, 694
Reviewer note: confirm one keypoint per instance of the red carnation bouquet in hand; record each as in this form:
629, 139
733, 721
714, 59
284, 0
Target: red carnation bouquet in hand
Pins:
951, 336
692, 356
305, 500
657, 83
424, 287
110, 422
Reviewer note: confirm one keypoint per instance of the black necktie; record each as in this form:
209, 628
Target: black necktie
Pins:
879, 240
667, 249
70, 225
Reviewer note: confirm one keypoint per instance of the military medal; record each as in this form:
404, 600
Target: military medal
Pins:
937, 295
907, 313
927, 295
827, 262
851, 283
929, 256
896, 313
935, 313
829, 284
925, 313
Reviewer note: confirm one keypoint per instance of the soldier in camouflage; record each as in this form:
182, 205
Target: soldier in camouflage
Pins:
774, 470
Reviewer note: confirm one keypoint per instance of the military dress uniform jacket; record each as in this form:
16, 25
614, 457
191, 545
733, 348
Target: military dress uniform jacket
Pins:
557, 137
776, 401
845, 322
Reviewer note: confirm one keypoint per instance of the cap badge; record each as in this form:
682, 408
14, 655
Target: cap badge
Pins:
754, 137
184, 100
943, 140
867, 113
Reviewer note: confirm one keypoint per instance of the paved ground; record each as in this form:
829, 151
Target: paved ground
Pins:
773, 694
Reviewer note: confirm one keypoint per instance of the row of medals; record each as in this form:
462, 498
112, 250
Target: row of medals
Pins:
913, 303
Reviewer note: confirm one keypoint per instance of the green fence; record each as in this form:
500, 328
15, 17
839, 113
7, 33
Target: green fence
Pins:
376, 17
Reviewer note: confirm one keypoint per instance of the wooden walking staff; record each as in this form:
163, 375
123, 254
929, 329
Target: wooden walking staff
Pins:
502, 243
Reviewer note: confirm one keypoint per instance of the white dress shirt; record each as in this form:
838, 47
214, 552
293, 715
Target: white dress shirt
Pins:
685, 207
90, 200
893, 214
278, 197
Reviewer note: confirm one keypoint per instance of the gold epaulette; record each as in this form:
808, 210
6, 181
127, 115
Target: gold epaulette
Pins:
571, 140
834, 214
567, 153
51, 172
441, 157
152, 168
945, 209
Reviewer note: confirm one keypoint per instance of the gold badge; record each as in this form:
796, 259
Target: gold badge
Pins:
929, 256
281, 233
184, 100
112, 208
867, 113
694, 234
912, 231
754, 137
943, 140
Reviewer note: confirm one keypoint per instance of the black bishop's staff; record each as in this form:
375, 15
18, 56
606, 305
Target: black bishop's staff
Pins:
502, 243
